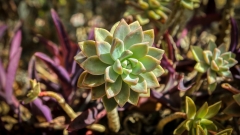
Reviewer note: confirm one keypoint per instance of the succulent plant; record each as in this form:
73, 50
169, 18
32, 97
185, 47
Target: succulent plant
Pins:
33, 93
215, 61
150, 9
120, 65
190, 4
197, 122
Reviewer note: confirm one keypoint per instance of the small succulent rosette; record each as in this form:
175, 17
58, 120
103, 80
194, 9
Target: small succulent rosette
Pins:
120, 65
215, 61
150, 9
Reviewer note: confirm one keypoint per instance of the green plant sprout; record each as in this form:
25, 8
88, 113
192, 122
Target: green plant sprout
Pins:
120, 66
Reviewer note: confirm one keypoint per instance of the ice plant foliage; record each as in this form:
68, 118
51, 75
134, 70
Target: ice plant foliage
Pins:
215, 61
197, 122
120, 65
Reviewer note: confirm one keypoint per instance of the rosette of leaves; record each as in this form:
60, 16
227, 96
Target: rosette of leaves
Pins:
197, 122
190, 4
150, 9
215, 61
120, 65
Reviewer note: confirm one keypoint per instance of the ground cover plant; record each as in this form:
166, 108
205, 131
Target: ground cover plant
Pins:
124, 67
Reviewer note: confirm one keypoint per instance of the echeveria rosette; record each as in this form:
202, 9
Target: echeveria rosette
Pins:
215, 61
190, 4
197, 122
150, 9
120, 65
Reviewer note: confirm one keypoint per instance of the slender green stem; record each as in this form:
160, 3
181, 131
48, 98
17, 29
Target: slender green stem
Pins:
113, 120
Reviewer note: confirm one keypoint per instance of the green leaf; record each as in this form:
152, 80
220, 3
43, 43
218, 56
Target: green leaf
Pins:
125, 54
232, 62
81, 78
135, 25
213, 110
207, 55
162, 14
139, 50
88, 48
149, 62
122, 97
211, 46
110, 75
200, 130
236, 97
80, 58
33, 93
103, 52
158, 71
208, 124
142, 20
216, 54
93, 80
226, 55
153, 15
223, 48
130, 79
133, 37
121, 30
197, 53
98, 92
133, 62
201, 67
187, 4
102, 35
155, 52
225, 132
138, 69
114, 27
151, 79
91, 63
117, 67
211, 76
145, 94
148, 36
225, 74
117, 49
109, 103
212, 87
188, 124
141, 86
202, 111
112, 89
214, 66
190, 108
133, 98
232, 110
180, 129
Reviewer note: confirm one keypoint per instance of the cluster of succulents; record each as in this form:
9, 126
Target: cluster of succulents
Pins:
150, 9
120, 65
215, 61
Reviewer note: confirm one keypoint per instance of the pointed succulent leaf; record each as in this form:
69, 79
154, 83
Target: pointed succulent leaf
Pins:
133, 37
145, 94
212, 87
93, 80
149, 62
122, 97
121, 30
200, 131
135, 25
225, 132
222, 48
236, 97
117, 49
143, 4
102, 35
213, 110
214, 66
133, 98
112, 89
188, 124
202, 111
219, 61
133, 62
98, 92
91, 63
180, 129
125, 54
109, 103
151, 79
211, 76
88, 48
201, 67
81, 78
227, 74
216, 54
207, 55
197, 53
80, 58
208, 124
117, 67
226, 55
211, 46
139, 50
103, 52
232, 62
190, 108
155, 52
110, 75
141, 86
114, 27
148, 36
158, 71
138, 69
130, 79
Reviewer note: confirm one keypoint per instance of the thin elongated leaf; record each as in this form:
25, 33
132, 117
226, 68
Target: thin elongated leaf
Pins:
236, 97
180, 129
200, 130
190, 108
213, 110
225, 132
202, 111
181, 86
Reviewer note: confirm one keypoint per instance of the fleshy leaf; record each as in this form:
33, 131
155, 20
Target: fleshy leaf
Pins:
197, 53
151, 79
133, 98
187, 4
88, 48
155, 52
200, 130
202, 111
211, 76
149, 62
158, 71
211, 46
80, 58
130, 79
122, 97
153, 15
103, 52
133, 37
98, 92
190, 108
121, 30
214, 66
141, 86
112, 89
93, 80
139, 50
208, 124
109, 103
81, 78
117, 49
145, 94
110, 75
135, 25
117, 67
180, 129
216, 54
232, 62
148, 36
91, 63
125, 54
201, 67
114, 27
133, 62
138, 69
236, 97
213, 110
212, 87
101, 34
207, 55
